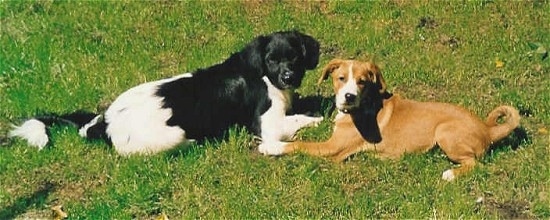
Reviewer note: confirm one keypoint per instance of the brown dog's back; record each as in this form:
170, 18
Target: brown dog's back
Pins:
410, 126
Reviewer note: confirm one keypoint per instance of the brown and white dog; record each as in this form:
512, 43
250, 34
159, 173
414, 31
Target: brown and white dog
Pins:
371, 119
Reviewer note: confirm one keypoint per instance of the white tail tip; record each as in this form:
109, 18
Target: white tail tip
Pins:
34, 131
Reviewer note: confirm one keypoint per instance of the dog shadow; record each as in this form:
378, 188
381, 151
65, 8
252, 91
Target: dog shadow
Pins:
515, 140
187, 149
316, 105
22, 204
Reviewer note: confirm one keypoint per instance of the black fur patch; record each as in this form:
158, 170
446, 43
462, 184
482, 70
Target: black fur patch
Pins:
78, 118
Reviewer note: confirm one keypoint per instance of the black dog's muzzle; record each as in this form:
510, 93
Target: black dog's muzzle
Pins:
287, 77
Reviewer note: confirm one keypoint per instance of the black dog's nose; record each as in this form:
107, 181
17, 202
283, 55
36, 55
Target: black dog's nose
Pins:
350, 97
287, 77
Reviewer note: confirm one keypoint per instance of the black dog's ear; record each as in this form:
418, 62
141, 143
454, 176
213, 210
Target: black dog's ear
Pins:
310, 49
253, 54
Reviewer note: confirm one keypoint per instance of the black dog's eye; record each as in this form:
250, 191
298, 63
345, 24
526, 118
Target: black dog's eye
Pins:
271, 60
293, 59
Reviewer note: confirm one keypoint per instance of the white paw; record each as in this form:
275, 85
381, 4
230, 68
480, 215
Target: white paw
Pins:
300, 121
315, 121
271, 148
448, 175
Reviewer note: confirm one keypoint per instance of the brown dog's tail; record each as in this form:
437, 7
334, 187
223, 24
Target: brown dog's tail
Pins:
508, 117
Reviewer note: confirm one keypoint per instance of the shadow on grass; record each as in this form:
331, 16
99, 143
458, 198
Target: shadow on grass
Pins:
515, 140
186, 150
316, 105
22, 204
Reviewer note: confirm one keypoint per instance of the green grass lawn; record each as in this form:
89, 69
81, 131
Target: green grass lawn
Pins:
60, 56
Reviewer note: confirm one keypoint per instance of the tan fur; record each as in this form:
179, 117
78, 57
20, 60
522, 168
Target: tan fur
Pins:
408, 126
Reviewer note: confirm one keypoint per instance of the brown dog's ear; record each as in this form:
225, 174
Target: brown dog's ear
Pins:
377, 77
331, 66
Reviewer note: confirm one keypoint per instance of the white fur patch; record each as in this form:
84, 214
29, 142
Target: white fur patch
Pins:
34, 131
186, 75
350, 87
272, 148
339, 116
293, 123
137, 121
83, 131
276, 126
448, 175
272, 121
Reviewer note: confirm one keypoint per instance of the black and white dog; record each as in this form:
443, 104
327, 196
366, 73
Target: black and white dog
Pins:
252, 88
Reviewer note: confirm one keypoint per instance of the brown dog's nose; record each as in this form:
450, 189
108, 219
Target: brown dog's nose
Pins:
350, 97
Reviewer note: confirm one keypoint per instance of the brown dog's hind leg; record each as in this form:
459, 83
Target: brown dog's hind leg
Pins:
461, 153
461, 145
465, 166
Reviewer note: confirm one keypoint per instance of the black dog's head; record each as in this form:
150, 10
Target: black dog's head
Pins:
283, 57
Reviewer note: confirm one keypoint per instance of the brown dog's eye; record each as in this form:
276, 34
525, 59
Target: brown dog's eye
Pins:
341, 78
361, 82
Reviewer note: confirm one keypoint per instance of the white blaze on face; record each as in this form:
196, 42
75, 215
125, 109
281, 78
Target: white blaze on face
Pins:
349, 87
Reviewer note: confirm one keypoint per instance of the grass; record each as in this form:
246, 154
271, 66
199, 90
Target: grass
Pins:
59, 56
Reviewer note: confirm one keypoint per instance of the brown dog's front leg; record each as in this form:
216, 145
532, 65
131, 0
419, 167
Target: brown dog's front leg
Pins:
336, 145
323, 149
346, 153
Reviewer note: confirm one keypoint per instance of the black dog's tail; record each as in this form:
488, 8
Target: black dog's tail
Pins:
35, 130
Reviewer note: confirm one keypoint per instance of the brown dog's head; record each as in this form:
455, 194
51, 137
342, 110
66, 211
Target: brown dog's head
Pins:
355, 83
